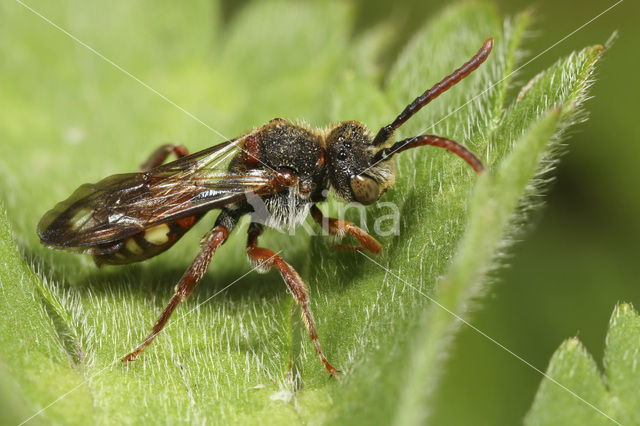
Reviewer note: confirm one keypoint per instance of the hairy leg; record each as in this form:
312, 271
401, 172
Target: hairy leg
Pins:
186, 284
268, 258
160, 155
341, 227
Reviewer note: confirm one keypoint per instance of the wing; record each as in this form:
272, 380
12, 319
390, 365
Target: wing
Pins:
123, 205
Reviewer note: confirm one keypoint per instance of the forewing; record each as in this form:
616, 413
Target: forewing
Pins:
125, 204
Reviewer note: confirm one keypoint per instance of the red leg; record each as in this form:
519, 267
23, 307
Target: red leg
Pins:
186, 284
340, 227
160, 155
266, 257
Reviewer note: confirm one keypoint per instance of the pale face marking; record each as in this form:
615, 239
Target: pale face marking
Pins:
158, 235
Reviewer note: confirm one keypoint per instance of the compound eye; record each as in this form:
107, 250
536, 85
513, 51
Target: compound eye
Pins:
365, 189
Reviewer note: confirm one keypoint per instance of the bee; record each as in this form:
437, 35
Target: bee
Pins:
285, 167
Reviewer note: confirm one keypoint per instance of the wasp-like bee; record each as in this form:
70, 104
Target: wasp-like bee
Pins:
287, 167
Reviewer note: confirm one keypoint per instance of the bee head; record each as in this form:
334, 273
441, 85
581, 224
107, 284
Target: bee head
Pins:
352, 173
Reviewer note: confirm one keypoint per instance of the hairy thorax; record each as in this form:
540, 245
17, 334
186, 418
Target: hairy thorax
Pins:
284, 146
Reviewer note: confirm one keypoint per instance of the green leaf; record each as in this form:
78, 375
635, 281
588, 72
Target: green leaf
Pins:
394, 382
34, 364
615, 395
241, 354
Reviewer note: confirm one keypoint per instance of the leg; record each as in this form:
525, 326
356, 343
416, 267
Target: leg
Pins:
160, 155
340, 227
186, 284
266, 257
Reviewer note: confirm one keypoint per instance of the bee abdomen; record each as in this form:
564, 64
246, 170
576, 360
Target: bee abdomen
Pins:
145, 244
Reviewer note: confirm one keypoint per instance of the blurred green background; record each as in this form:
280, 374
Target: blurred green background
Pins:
580, 258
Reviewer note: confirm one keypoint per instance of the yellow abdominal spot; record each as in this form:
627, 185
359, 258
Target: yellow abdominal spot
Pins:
133, 247
157, 235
